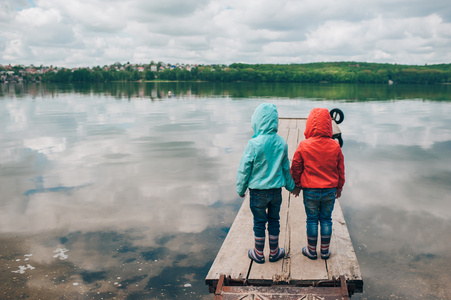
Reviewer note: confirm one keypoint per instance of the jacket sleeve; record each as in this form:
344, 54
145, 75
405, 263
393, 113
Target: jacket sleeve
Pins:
245, 170
341, 170
289, 183
297, 167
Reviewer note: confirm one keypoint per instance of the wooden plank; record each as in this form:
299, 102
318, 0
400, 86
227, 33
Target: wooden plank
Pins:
285, 273
232, 259
343, 260
285, 292
292, 123
283, 132
269, 272
279, 271
301, 123
284, 123
303, 270
292, 141
286, 266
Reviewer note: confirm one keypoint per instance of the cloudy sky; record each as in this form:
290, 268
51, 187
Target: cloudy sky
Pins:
99, 32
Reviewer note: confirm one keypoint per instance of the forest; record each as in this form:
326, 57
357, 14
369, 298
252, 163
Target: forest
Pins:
325, 72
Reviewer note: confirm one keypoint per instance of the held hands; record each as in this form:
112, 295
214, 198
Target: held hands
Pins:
296, 191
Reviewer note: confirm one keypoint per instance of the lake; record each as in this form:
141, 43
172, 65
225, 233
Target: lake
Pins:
127, 190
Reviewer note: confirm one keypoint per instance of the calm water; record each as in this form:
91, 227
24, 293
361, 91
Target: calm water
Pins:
124, 191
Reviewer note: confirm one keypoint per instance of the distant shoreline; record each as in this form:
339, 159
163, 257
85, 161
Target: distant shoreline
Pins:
334, 72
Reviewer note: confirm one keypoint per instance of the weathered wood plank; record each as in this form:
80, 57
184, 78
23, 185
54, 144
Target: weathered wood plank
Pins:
300, 124
286, 266
265, 273
292, 141
284, 123
232, 259
343, 260
285, 273
293, 123
303, 270
301, 127
270, 272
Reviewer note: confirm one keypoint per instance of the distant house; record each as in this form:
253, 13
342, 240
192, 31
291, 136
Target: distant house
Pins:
153, 68
140, 69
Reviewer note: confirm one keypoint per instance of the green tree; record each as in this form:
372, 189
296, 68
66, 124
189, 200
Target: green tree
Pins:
149, 75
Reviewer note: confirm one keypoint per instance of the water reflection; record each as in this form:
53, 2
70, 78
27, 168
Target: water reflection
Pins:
129, 189
397, 197
163, 90
107, 193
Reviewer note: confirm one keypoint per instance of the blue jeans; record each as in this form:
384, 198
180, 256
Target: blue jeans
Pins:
319, 204
265, 206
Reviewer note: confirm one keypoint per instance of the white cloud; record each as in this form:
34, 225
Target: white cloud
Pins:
87, 33
38, 17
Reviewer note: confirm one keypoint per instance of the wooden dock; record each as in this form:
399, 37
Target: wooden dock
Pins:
232, 265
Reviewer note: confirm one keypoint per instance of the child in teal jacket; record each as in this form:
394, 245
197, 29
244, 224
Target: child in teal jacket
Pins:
265, 169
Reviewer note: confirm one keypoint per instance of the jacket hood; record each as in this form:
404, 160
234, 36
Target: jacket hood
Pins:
265, 119
319, 124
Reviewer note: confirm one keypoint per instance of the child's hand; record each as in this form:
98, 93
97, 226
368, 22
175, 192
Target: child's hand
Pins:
338, 194
244, 195
296, 191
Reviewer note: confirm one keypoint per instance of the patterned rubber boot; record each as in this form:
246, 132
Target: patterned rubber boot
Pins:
256, 254
325, 243
310, 250
275, 253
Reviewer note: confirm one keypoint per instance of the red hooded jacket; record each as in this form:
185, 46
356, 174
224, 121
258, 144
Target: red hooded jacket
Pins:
318, 161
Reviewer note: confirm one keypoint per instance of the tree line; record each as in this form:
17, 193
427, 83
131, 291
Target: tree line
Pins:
332, 72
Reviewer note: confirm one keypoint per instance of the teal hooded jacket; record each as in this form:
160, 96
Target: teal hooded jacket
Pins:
264, 164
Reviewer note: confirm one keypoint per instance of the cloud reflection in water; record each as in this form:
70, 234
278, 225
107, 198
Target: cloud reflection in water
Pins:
113, 182
396, 198
145, 191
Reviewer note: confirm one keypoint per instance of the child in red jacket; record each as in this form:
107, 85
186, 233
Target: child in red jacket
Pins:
318, 169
